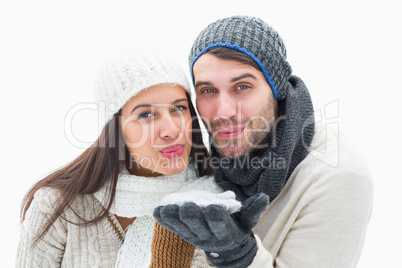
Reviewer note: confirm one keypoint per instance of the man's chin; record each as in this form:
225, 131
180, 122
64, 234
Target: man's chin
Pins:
234, 152
233, 148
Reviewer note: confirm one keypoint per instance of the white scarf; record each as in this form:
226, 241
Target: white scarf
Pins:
137, 197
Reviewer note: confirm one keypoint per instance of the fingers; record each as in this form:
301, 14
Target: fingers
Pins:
192, 216
219, 221
187, 220
168, 217
210, 228
252, 209
190, 220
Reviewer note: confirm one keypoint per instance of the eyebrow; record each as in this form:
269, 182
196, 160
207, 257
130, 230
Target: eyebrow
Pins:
246, 75
206, 83
202, 83
150, 105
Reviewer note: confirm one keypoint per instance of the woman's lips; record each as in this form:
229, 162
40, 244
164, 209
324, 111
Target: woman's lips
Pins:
228, 133
173, 151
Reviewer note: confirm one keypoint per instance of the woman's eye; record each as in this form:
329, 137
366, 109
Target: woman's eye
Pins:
144, 115
179, 108
243, 87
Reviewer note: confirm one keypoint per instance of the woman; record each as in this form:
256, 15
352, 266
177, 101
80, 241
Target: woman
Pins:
97, 210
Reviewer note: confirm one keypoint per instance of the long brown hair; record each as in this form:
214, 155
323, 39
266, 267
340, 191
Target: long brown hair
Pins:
101, 163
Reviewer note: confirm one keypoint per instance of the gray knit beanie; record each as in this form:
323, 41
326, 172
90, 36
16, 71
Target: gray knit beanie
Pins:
253, 37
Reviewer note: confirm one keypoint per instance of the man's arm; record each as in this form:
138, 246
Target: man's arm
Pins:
330, 229
321, 216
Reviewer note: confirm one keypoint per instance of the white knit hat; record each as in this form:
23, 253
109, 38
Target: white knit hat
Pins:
124, 74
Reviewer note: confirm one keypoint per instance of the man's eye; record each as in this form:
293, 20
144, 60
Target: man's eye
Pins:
208, 90
144, 115
242, 87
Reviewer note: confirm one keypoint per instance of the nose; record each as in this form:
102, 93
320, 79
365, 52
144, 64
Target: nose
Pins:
226, 106
169, 127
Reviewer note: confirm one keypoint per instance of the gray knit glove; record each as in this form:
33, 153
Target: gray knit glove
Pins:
226, 238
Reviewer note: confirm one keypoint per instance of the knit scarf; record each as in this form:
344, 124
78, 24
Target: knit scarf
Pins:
137, 197
268, 169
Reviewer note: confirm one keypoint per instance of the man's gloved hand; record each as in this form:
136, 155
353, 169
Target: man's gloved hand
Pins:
226, 238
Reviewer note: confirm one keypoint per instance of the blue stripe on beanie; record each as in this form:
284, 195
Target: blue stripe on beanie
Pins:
240, 49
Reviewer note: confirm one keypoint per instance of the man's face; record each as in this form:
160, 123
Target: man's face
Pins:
235, 102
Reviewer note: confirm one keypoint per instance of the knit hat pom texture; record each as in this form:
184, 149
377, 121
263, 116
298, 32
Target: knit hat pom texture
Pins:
124, 74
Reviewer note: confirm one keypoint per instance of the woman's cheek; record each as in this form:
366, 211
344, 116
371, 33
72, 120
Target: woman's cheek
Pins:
136, 134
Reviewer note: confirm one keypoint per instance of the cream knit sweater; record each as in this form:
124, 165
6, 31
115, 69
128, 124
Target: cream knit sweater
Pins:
66, 244
69, 245
320, 218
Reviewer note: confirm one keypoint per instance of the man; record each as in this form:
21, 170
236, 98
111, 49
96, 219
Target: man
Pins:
263, 137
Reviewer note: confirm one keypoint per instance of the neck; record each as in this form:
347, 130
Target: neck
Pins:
138, 170
137, 196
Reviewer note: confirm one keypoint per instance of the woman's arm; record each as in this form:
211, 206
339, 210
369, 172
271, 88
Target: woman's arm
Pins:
48, 251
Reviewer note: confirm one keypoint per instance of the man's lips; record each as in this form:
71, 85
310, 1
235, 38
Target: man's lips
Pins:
228, 133
173, 151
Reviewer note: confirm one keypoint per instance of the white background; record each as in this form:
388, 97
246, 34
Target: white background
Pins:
347, 52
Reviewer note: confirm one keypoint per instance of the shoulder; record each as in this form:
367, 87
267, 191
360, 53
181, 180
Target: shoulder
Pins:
333, 167
46, 200
41, 209
332, 155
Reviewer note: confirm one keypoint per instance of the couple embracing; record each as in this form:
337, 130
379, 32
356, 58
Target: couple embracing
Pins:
148, 193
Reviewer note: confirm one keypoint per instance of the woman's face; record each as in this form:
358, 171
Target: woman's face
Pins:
157, 128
